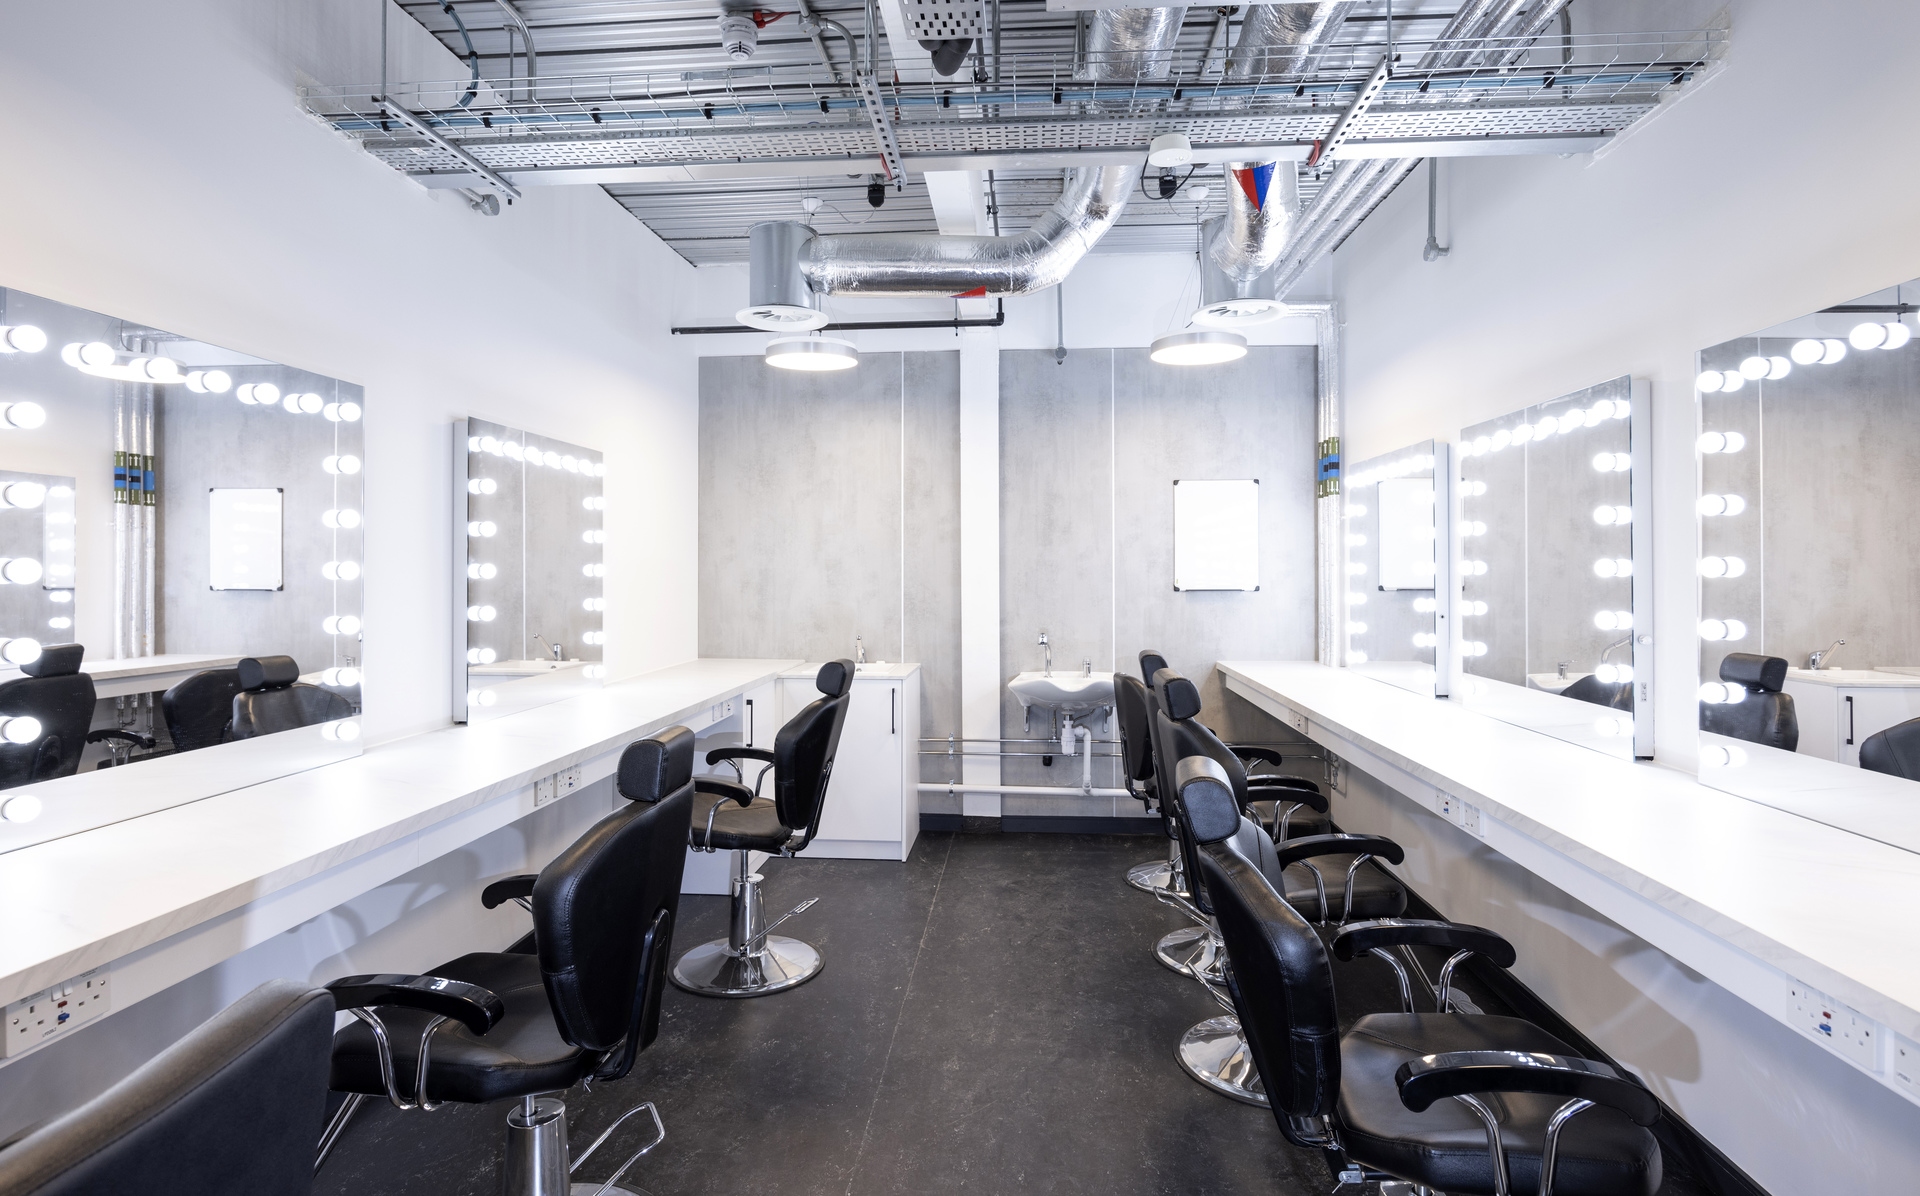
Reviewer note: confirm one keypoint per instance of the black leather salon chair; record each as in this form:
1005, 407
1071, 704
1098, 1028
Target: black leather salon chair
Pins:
1764, 715
229, 1110
1617, 695
732, 816
508, 1026
1460, 1103
1213, 1052
1894, 751
272, 698
58, 700
199, 709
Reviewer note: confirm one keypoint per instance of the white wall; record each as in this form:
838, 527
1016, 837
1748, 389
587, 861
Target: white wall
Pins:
161, 170
1782, 185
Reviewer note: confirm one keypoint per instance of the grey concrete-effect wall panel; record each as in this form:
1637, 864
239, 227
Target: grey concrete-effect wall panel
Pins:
1252, 418
931, 544
799, 509
208, 441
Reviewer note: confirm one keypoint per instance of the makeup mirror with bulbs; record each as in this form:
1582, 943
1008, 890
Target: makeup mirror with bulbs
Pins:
1809, 566
1551, 608
168, 509
529, 525
1396, 512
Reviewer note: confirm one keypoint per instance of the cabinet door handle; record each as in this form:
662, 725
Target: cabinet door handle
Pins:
893, 712
1849, 720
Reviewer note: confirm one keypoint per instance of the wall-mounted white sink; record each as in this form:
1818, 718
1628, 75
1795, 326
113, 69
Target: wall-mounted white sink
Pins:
521, 668
1071, 693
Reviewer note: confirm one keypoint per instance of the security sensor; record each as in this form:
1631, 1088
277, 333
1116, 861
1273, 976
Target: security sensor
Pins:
1170, 149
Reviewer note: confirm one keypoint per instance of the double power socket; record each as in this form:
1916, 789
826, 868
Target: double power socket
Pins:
558, 785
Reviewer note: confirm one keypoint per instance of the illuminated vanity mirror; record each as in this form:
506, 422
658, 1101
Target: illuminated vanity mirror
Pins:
1546, 537
180, 557
1809, 456
530, 525
1395, 514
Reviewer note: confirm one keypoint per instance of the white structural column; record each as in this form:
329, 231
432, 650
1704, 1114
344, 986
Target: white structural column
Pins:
980, 678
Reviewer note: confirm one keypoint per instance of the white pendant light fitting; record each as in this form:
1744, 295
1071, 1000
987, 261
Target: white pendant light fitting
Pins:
1203, 346
812, 353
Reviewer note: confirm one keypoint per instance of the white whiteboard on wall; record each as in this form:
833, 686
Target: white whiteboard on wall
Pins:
1216, 535
243, 552
1406, 534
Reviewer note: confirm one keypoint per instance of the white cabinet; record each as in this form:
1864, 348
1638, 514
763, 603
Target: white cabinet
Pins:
872, 808
1839, 708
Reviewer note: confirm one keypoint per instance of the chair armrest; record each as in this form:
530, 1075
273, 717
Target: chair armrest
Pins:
739, 753
1256, 751
1378, 846
478, 1009
1430, 1078
145, 741
1260, 789
1362, 937
513, 888
725, 788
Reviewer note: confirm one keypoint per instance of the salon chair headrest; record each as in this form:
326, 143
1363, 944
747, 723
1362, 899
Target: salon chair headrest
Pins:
55, 660
1179, 697
1763, 673
835, 678
1151, 662
268, 672
1206, 793
651, 769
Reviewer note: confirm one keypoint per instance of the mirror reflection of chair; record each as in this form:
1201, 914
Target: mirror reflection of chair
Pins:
272, 698
199, 709
1894, 751
1526, 1113
228, 1110
582, 1007
732, 816
45, 716
1615, 694
1763, 715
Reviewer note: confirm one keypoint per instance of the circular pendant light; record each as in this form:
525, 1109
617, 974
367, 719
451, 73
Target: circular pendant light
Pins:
815, 353
1201, 347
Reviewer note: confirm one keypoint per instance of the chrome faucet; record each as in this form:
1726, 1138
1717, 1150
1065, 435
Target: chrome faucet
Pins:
859, 652
1821, 660
551, 647
1049, 648
1086, 668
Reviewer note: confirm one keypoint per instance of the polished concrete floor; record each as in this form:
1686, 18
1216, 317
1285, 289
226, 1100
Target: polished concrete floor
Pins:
990, 1019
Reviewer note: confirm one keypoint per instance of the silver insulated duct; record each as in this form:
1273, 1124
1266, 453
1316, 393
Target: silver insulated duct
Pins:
1122, 44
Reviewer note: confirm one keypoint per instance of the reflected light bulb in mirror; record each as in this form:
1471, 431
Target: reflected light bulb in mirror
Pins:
481, 656
1606, 567
1835, 351
1473, 648
481, 697
20, 650
1722, 755
482, 571
1482, 444
1755, 368
1722, 693
22, 338
1355, 540
593, 604
1807, 352
1898, 334
1357, 599
1778, 368
1572, 421
1614, 674
25, 495
344, 730
593, 637
1731, 381
1423, 606
60, 623
481, 614
341, 625
595, 671
1522, 434
1720, 442
1868, 335
60, 596
1423, 639
20, 729
341, 413
1356, 656
491, 446
22, 807
209, 382
344, 463
482, 486
343, 676
1713, 629
1500, 440
1356, 628
340, 570
1476, 568
344, 518
25, 416
482, 528
1613, 620
20, 571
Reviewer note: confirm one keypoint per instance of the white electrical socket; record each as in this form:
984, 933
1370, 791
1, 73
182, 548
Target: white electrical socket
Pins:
57, 1011
566, 782
1906, 1065
1463, 814
543, 791
1847, 1033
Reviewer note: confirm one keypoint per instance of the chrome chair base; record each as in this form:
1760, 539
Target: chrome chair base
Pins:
715, 969
1150, 877
539, 1162
1189, 948
1215, 1053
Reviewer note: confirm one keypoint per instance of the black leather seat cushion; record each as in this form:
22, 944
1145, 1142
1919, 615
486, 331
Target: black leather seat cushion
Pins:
755, 827
523, 1054
1375, 894
1894, 751
1601, 1152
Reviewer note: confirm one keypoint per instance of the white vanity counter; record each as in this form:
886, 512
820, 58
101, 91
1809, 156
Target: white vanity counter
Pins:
140, 674
1838, 709
1751, 896
167, 894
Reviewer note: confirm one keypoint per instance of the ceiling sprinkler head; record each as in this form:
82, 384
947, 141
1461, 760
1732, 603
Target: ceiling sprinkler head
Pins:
811, 203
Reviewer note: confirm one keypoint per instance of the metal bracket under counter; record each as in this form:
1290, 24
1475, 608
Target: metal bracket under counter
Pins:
167, 895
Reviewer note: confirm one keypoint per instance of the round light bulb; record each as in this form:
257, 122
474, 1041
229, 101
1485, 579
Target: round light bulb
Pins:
24, 495
1713, 629
1606, 516
1356, 656
20, 570
1778, 368
1710, 504
345, 518
25, 416
344, 463
1723, 755
20, 650
1755, 368
1711, 442
1604, 620
1604, 567
1869, 335
1501, 439
1835, 350
1807, 352
1898, 334
22, 338
1522, 434
1731, 381
20, 728
1603, 462
22, 807
1736, 630
344, 730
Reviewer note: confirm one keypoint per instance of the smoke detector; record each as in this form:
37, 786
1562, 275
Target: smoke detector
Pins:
1170, 149
739, 35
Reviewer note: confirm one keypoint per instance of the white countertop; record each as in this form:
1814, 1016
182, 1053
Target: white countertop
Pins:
101, 895
878, 670
1877, 678
1831, 908
140, 674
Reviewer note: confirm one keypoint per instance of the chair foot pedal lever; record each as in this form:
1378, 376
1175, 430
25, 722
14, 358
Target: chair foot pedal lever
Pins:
659, 1136
802, 908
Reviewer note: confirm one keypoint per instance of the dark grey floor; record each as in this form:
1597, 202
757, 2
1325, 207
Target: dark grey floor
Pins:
990, 1019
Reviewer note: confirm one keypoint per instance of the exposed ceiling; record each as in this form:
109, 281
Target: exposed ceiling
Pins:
639, 97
